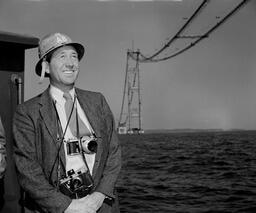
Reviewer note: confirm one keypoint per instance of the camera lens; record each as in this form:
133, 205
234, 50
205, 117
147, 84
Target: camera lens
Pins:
92, 146
76, 183
89, 144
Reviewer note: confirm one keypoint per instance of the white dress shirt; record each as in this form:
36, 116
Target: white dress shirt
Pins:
74, 162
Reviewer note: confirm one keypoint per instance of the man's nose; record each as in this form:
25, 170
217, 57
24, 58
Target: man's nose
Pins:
69, 62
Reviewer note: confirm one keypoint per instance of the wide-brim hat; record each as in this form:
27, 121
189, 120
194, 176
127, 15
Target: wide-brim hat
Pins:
52, 42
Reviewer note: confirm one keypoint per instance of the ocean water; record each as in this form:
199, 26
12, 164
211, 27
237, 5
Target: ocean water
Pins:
188, 173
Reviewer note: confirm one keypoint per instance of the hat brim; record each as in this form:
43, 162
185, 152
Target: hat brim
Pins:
79, 48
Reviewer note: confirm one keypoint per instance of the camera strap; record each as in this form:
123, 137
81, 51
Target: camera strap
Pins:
57, 158
78, 135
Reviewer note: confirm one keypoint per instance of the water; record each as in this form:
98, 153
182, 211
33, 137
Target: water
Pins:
188, 172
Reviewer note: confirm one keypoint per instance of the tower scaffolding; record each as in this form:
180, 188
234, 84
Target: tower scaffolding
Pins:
130, 120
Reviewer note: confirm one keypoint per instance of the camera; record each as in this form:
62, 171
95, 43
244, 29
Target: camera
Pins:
86, 144
76, 184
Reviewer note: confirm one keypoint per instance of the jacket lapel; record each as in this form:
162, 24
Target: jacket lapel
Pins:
49, 117
88, 106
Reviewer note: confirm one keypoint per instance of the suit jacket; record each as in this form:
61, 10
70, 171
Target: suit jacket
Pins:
35, 130
2, 150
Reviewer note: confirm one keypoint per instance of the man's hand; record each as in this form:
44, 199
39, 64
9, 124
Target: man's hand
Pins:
89, 204
95, 200
79, 206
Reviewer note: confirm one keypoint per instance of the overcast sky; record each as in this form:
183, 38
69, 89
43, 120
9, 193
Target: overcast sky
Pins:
211, 85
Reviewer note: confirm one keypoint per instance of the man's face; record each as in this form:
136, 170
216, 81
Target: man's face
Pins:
63, 67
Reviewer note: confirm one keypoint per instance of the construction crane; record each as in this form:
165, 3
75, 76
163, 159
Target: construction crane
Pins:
130, 119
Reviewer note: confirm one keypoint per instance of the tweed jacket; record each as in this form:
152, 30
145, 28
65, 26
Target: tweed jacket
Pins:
36, 144
2, 150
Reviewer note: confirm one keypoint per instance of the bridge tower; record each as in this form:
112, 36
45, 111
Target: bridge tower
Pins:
130, 117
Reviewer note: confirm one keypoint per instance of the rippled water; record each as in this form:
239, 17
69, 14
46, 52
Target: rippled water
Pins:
188, 172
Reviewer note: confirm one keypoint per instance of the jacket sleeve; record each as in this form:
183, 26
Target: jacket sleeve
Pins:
29, 168
113, 161
2, 150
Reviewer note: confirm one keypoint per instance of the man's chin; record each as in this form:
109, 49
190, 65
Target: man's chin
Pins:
69, 80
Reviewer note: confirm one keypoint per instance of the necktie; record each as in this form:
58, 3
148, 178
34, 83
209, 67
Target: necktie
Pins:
74, 125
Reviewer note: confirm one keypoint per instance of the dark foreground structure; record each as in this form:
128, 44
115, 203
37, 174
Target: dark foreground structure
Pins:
12, 61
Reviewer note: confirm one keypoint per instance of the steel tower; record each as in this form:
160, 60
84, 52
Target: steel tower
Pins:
130, 116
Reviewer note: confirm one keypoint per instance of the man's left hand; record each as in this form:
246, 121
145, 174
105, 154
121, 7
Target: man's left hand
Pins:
95, 200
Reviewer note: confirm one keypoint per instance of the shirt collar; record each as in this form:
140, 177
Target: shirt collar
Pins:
57, 94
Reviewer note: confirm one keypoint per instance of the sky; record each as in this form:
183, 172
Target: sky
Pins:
212, 85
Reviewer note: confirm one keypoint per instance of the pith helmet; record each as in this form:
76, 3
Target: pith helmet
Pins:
50, 43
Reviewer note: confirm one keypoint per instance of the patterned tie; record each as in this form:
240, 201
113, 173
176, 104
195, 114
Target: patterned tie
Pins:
83, 130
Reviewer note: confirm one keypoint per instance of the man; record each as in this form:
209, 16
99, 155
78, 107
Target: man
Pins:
2, 163
53, 167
